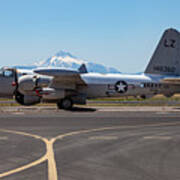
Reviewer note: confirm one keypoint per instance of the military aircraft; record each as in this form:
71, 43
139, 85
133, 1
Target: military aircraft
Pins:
8, 76
67, 87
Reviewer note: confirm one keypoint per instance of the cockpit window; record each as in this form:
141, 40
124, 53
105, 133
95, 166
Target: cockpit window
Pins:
1, 72
8, 73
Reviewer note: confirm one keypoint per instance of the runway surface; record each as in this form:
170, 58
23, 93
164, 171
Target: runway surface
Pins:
89, 144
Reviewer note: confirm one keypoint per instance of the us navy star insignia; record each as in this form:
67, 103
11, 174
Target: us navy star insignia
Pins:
121, 86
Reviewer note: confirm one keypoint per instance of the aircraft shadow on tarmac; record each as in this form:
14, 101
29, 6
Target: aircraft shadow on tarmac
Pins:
80, 109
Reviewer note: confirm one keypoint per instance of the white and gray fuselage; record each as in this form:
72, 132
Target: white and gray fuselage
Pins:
114, 85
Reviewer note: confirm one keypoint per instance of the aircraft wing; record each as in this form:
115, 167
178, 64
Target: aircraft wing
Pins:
63, 78
174, 80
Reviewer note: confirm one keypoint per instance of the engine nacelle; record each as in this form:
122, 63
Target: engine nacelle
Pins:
27, 100
52, 94
29, 83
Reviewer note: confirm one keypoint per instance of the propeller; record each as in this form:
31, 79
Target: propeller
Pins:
18, 96
15, 82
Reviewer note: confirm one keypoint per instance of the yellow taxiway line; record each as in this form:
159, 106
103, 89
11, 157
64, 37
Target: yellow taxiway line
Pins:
52, 170
49, 155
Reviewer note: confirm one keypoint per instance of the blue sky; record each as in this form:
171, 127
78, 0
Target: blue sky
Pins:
117, 33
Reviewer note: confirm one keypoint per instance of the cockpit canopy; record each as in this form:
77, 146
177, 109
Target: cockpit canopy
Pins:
7, 72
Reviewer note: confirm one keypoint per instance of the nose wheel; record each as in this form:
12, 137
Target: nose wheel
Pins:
65, 103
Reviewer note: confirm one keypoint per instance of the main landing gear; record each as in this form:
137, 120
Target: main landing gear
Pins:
65, 103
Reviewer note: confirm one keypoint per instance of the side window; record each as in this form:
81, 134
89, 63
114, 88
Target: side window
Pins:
142, 85
8, 73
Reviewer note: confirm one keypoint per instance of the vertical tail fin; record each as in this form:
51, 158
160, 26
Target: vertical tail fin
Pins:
82, 69
166, 58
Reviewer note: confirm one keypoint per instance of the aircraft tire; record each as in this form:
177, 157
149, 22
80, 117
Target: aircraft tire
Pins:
65, 103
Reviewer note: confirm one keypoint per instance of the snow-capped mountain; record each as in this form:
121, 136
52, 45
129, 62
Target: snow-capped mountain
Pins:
61, 59
67, 60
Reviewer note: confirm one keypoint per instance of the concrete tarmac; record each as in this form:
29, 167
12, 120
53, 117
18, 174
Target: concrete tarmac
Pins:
89, 144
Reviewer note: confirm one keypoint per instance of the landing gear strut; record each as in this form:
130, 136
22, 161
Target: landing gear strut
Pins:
65, 103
